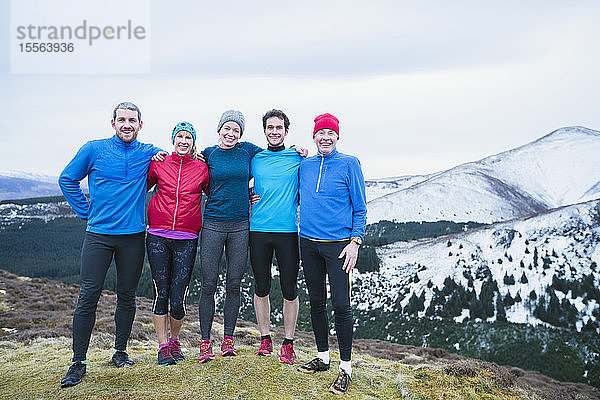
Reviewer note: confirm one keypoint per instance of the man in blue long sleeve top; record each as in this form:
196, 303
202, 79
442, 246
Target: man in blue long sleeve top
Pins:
116, 169
274, 229
333, 217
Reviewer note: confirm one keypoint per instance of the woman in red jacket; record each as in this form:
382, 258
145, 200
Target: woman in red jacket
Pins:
174, 216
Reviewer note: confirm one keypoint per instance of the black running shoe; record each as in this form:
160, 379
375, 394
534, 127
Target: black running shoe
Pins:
74, 374
121, 359
341, 383
165, 357
316, 365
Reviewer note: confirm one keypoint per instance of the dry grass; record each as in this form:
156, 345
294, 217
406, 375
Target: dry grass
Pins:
34, 370
36, 350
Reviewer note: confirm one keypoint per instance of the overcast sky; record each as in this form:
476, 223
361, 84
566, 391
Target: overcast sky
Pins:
418, 86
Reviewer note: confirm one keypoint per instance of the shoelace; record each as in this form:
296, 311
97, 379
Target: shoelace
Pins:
315, 363
174, 347
205, 347
264, 344
288, 350
228, 343
164, 351
74, 367
342, 380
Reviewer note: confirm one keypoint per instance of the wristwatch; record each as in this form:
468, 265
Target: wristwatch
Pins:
357, 240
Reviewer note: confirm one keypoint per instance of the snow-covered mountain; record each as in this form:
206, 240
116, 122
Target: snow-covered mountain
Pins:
552, 254
555, 170
21, 185
15, 185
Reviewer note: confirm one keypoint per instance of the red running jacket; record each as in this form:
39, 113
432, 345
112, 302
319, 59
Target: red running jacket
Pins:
180, 182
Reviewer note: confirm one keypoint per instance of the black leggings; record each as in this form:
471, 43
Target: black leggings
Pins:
320, 259
171, 263
96, 255
285, 246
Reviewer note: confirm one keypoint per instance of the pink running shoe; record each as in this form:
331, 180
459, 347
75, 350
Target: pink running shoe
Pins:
227, 348
175, 350
287, 354
266, 348
206, 352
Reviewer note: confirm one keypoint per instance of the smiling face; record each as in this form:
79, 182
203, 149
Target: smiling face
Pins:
126, 124
183, 143
229, 135
326, 140
275, 131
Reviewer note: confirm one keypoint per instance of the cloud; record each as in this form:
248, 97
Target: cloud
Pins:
417, 87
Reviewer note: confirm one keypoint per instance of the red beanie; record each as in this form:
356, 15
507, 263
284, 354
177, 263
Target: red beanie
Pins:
327, 121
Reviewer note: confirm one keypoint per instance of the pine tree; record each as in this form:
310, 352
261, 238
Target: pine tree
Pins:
500, 311
509, 279
518, 298
508, 300
487, 297
532, 295
524, 278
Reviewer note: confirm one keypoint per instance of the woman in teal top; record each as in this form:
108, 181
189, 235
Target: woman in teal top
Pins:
226, 224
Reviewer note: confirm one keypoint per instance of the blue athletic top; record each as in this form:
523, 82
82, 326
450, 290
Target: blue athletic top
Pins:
333, 204
229, 172
116, 174
276, 181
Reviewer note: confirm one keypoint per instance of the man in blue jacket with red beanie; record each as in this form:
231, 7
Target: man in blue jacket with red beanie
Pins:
116, 169
333, 217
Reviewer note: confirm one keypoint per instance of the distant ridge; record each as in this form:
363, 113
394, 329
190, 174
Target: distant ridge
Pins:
556, 170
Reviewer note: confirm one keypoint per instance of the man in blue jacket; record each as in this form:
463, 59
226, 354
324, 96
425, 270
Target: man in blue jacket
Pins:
116, 169
274, 230
333, 211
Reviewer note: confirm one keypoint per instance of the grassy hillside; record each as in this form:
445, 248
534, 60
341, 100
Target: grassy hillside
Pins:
247, 376
35, 351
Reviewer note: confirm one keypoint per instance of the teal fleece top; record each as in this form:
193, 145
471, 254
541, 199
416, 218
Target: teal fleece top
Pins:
333, 204
116, 174
229, 172
276, 181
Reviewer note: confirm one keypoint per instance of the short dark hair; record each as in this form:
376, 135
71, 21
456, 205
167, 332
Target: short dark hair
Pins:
127, 106
279, 114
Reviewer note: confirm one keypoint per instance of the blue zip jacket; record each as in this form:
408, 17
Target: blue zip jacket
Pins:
116, 174
276, 181
333, 205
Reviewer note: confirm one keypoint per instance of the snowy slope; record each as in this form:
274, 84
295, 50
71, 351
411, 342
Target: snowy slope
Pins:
555, 170
16, 185
22, 185
569, 237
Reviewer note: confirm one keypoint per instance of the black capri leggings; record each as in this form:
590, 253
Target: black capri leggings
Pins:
285, 246
171, 263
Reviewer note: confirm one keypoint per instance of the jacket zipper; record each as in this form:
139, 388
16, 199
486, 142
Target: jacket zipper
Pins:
177, 195
126, 162
320, 169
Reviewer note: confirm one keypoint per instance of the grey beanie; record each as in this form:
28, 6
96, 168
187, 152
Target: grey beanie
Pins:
233, 116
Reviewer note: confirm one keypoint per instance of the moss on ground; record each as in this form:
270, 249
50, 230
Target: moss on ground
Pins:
34, 370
